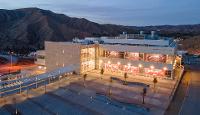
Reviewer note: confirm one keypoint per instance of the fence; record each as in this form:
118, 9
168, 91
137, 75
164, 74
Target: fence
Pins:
25, 86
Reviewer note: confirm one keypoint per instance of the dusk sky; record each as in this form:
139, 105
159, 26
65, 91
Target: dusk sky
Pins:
125, 12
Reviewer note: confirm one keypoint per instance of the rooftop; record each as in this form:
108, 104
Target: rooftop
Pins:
130, 39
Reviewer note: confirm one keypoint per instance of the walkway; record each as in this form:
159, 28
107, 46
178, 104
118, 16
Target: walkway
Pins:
191, 105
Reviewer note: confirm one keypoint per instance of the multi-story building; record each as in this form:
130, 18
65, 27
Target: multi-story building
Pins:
135, 54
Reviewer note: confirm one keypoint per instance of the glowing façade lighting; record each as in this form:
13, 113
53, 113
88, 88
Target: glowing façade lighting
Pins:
152, 67
100, 61
118, 63
165, 68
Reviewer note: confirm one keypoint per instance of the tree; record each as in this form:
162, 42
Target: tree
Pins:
84, 79
125, 77
109, 90
144, 92
155, 81
102, 72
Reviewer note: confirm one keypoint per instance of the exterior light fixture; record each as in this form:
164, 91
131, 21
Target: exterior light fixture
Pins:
152, 67
165, 68
40, 67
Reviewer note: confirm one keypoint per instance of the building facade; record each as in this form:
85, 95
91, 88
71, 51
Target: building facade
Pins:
40, 58
135, 54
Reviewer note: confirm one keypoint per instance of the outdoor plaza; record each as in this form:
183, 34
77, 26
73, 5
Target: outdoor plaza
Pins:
94, 94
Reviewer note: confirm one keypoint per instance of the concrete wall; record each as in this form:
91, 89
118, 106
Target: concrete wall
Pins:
138, 41
60, 54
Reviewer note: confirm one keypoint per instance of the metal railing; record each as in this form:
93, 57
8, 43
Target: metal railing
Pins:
31, 85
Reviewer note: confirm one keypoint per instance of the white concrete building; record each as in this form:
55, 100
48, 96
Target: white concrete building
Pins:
40, 58
135, 54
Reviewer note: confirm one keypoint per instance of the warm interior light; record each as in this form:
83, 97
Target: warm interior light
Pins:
109, 62
118, 63
100, 61
156, 56
129, 64
140, 65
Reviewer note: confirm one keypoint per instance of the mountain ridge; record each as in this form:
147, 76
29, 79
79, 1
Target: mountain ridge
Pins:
26, 29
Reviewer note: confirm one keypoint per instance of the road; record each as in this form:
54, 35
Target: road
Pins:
179, 95
191, 104
8, 57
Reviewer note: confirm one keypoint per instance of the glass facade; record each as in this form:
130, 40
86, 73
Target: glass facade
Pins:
160, 58
134, 70
132, 56
155, 58
87, 59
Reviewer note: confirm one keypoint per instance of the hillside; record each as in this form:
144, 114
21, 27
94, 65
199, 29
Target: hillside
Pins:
26, 29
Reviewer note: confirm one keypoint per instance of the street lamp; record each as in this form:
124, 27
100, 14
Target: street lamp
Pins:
10, 60
36, 82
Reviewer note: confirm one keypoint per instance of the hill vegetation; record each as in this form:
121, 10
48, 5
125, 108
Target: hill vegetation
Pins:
25, 30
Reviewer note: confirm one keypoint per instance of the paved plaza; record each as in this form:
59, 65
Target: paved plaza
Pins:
75, 96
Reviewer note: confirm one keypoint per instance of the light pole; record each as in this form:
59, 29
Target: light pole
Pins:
84, 79
10, 61
49, 77
125, 77
59, 76
45, 88
102, 71
155, 81
20, 90
36, 82
109, 91
27, 92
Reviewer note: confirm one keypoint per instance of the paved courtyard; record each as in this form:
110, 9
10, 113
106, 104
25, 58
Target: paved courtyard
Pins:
74, 96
